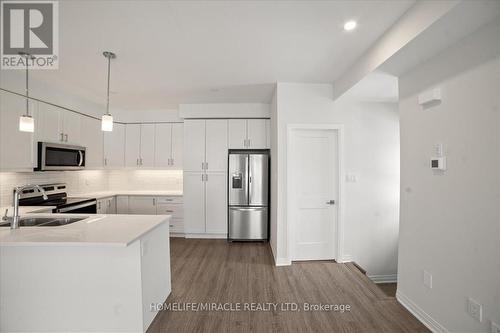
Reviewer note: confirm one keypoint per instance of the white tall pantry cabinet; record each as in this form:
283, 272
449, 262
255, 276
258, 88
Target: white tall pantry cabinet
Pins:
205, 167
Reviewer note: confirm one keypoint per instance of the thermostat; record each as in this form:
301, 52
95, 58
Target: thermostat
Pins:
438, 163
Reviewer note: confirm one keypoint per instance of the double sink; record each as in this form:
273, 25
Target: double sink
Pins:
44, 221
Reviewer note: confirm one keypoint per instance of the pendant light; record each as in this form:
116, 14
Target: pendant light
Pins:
26, 121
107, 119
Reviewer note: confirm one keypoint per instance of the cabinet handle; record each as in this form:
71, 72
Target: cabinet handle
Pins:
169, 211
62, 137
154, 202
206, 177
66, 137
202, 165
105, 161
141, 160
137, 162
206, 165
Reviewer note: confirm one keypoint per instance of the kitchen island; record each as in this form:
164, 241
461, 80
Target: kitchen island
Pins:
100, 274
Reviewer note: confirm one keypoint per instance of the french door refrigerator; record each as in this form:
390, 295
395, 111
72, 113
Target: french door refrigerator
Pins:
248, 195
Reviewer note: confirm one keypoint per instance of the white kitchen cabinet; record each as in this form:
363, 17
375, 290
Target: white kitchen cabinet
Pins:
122, 204
58, 125
177, 146
142, 205
163, 145
205, 203
216, 203
256, 134
114, 147
174, 209
132, 145
16, 147
194, 145
106, 205
92, 140
237, 133
268, 133
194, 202
216, 145
147, 154
249, 133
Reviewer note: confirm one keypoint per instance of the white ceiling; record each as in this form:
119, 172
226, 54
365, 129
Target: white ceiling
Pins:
172, 52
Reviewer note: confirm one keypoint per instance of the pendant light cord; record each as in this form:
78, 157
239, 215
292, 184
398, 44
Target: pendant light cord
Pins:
27, 87
109, 75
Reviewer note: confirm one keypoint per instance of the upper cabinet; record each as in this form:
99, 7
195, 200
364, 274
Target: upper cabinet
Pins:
114, 147
147, 156
16, 148
249, 133
168, 145
58, 125
205, 143
92, 139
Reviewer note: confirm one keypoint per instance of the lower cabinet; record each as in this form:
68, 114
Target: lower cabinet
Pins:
205, 202
142, 205
106, 205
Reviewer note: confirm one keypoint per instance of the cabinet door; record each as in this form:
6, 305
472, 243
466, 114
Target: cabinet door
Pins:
132, 145
122, 204
114, 147
194, 202
142, 205
111, 205
194, 145
50, 124
16, 147
101, 206
163, 145
92, 140
257, 133
71, 127
216, 145
147, 146
177, 146
216, 203
237, 133
268, 133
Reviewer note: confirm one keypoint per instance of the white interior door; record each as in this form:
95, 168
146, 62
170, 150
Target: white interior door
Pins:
313, 181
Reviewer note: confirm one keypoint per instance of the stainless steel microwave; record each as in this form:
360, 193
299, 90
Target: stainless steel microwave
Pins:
55, 156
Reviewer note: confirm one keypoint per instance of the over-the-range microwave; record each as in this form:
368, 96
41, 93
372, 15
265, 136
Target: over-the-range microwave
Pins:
56, 156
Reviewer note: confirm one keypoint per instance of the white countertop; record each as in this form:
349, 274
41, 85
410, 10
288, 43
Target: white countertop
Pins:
96, 230
26, 210
105, 194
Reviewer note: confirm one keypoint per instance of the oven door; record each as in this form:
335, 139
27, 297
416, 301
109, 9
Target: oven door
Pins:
54, 156
89, 207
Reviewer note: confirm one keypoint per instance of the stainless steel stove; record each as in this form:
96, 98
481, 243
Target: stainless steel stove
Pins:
57, 196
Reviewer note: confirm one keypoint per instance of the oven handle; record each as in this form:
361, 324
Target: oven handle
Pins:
81, 158
70, 208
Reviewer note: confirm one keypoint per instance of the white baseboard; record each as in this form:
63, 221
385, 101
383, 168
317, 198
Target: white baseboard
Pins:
177, 234
389, 278
206, 236
420, 314
345, 258
282, 262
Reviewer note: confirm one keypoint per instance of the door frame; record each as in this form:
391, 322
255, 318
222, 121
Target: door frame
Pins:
338, 238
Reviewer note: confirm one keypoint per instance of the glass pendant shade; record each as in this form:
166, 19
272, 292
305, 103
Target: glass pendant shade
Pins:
26, 124
107, 123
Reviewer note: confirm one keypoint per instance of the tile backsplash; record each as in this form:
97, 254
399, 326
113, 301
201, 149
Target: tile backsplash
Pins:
92, 181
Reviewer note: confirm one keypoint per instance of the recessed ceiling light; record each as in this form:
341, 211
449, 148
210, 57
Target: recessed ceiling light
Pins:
350, 25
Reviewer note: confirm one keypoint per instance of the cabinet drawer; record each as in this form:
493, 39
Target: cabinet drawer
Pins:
170, 200
176, 225
177, 211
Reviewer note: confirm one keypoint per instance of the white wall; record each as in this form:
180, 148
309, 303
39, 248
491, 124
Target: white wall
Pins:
225, 110
273, 240
371, 149
450, 221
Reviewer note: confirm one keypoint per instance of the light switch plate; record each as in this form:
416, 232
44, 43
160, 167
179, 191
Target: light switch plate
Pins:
427, 279
475, 309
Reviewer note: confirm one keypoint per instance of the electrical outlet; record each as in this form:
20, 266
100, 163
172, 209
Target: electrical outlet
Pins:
495, 328
427, 279
475, 309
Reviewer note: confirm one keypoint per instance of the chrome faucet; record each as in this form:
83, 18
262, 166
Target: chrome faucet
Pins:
14, 224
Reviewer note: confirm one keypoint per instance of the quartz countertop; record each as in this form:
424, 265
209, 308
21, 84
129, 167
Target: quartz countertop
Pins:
105, 194
95, 230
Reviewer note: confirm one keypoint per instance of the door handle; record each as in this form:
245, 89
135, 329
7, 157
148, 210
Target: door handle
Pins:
331, 202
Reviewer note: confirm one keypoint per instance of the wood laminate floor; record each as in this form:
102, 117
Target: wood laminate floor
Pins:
215, 271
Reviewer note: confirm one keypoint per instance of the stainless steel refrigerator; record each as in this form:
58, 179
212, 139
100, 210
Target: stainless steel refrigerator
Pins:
248, 195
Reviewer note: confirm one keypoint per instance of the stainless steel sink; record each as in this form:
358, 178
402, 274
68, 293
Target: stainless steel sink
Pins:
44, 221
